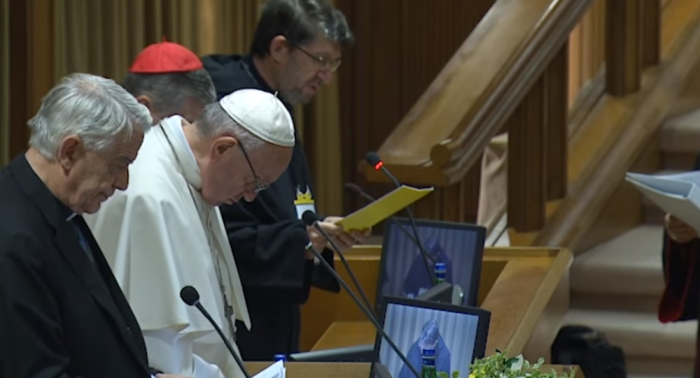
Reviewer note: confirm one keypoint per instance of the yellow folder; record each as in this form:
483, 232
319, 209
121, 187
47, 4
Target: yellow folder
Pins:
383, 208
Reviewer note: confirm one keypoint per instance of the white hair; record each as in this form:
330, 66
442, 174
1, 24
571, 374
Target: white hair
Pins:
98, 110
215, 122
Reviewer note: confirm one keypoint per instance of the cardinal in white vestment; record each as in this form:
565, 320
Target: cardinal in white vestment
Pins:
165, 231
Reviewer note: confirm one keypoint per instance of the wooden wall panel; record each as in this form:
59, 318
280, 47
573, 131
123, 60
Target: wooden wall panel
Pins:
31, 64
4, 80
400, 48
17, 133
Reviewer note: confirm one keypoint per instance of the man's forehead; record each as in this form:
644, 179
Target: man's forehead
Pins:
128, 142
322, 45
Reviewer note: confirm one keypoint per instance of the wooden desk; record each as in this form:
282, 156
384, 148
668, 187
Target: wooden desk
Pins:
336, 369
343, 334
526, 290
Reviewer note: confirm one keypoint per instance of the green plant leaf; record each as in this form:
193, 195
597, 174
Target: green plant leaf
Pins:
499, 365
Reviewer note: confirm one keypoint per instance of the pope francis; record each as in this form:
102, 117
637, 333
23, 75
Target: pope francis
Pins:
165, 231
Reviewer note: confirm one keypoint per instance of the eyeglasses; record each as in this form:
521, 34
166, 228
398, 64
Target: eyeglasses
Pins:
259, 186
325, 62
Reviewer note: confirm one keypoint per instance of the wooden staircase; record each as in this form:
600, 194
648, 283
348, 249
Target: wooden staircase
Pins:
566, 164
615, 286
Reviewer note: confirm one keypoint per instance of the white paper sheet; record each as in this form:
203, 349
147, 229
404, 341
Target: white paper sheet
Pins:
676, 194
275, 370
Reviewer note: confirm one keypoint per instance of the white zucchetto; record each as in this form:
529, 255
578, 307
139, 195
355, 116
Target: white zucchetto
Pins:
262, 114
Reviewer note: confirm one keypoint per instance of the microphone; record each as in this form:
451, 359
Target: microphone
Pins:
311, 220
352, 295
356, 190
375, 161
190, 296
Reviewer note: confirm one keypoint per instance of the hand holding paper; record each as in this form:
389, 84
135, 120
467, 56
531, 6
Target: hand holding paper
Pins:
678, 230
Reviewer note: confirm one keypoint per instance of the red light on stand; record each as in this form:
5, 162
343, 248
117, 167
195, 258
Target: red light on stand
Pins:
378, 166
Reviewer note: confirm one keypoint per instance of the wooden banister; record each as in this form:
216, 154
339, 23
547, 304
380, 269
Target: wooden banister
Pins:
600, 167
651, 24
512, 75
446, 131
623, 63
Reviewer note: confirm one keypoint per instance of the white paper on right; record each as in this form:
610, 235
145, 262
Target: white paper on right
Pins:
676, 194
275, 370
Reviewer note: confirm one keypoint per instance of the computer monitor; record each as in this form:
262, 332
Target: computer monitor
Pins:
443, 293
403, 273
457, 334
360, 353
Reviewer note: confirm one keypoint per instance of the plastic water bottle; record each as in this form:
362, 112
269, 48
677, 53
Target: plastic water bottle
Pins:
283, 358
440, 272
428, 370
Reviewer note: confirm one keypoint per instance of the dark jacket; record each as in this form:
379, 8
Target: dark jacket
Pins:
61, 315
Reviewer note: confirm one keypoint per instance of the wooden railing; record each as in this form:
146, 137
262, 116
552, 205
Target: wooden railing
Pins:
512, 75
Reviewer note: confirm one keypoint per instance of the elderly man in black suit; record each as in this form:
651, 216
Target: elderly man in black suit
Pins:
62, 314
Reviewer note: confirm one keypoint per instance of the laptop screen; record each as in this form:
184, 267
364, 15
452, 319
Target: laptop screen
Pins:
459, 247
456, 335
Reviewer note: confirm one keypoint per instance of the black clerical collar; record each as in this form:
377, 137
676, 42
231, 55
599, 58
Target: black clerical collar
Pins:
65, 211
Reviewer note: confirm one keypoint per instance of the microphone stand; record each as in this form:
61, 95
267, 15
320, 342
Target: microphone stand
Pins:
312, 216
367, 313
238, 360
375, 161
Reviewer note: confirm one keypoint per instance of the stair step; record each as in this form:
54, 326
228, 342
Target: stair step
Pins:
615, 302
656, 376
616, 286
650, 367
640, 334
681, 134
679, 161
627, 265
653, 215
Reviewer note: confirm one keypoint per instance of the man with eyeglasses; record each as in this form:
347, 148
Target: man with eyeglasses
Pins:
166, 232
295, 50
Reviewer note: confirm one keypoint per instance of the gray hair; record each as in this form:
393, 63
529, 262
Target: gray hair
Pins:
168, 91
215, 122
98, 110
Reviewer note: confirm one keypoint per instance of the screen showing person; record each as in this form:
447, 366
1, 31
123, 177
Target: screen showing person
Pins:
455, 253
438, 339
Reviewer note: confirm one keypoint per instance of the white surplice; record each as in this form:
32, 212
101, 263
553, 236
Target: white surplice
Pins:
159, 236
